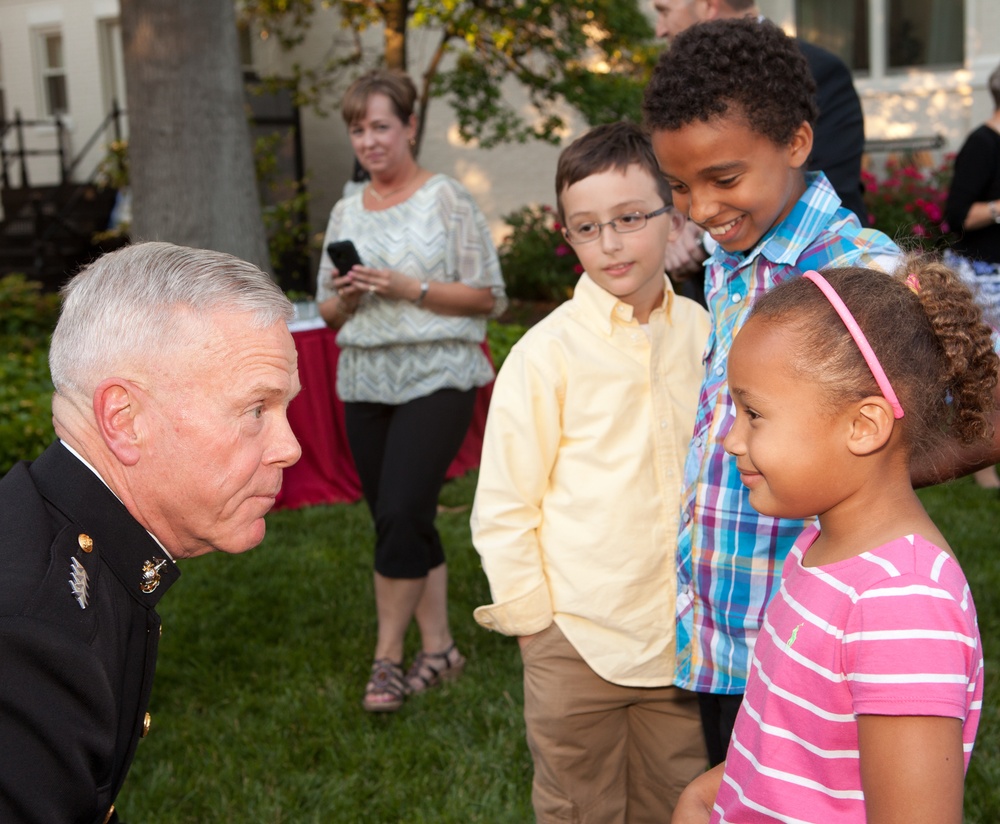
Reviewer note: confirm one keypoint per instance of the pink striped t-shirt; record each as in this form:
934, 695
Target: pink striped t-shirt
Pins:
888, 632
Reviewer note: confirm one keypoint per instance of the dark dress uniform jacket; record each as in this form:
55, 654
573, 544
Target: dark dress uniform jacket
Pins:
839, 132
76, 669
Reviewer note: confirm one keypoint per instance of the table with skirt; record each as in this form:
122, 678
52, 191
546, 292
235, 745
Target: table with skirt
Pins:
325, 473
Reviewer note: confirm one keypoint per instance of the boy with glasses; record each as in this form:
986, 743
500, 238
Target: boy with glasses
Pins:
576, 510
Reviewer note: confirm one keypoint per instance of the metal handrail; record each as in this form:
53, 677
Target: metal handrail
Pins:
917, 143
66, 170
63, 201
114, 116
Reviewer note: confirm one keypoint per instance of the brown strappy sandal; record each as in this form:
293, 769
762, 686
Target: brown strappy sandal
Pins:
385, 690
431, 668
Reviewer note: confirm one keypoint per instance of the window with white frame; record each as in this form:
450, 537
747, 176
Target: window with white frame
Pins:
52, 73
881, 37
112, 64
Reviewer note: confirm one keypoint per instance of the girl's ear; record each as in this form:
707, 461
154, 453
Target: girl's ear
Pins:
871, 426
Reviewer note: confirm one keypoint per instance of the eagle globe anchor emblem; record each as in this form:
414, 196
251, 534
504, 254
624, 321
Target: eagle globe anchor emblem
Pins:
150, 579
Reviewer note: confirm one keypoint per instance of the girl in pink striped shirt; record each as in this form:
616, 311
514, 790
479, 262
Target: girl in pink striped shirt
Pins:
867, 677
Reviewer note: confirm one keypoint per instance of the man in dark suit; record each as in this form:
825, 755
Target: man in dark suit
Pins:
173, 369
838, 136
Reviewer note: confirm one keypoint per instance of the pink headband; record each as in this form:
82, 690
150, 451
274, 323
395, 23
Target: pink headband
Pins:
859, 338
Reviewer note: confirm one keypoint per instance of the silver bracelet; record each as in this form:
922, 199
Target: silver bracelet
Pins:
993, 211
424, 288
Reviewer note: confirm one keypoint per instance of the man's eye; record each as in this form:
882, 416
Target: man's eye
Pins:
630, 219
585, 229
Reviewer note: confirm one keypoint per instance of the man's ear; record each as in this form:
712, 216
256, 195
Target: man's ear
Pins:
116, 407
708, 10
871, 426
800, 146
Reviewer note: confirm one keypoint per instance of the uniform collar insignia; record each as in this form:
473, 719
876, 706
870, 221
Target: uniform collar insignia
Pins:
150, 579
79, 583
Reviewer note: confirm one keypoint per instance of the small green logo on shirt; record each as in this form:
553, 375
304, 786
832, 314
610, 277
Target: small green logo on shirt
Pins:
795, 632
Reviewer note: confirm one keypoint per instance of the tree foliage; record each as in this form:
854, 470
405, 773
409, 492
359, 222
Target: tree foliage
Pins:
594, 55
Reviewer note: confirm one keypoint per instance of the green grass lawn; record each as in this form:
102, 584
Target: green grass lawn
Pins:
256, 708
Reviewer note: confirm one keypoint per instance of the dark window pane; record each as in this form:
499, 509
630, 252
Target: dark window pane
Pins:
925, 33
55, 90
840, 26
53, 51
246, 49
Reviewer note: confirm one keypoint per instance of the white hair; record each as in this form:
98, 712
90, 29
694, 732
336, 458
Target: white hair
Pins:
128, 305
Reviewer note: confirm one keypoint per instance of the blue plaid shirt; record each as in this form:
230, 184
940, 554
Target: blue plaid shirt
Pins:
729, 557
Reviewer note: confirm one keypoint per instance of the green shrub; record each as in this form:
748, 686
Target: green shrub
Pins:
27, 318
27, 315
908, 204
501, 337
537, 262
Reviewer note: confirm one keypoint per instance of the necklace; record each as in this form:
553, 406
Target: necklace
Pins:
380, 197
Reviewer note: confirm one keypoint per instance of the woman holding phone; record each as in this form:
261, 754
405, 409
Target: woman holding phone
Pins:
412, 316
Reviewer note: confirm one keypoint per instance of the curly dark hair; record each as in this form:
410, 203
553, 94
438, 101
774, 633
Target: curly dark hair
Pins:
934, 345
742, 67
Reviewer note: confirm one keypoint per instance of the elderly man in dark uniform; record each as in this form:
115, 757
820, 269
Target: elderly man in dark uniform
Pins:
173, 370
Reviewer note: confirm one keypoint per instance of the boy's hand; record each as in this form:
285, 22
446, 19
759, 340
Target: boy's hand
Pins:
695, 804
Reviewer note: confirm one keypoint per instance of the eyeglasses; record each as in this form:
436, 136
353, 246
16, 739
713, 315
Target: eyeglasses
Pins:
623, 224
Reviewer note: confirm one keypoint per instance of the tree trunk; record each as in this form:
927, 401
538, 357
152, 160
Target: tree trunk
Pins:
395, 13
190, 156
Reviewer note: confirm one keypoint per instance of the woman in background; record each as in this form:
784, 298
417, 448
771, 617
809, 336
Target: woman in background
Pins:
973, 213
412, 318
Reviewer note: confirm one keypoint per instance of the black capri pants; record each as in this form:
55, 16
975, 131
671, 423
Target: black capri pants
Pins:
402, 453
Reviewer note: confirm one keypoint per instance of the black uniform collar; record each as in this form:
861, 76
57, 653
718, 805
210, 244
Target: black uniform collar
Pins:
123, 543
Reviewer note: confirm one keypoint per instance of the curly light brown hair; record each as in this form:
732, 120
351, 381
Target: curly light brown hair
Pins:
934, 345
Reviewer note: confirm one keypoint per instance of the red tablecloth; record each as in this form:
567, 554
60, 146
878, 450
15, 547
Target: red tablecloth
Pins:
325, 473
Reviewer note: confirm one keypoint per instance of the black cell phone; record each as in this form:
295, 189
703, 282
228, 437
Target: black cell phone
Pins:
344, 255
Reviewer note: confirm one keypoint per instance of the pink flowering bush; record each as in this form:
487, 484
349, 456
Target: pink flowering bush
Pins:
908, 203
537, 262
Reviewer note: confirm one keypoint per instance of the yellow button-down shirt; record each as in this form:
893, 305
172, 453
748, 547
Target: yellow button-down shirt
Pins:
576, 510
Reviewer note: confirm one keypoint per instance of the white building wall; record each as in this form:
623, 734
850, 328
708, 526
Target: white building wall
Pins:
502, 179
926, 102
79, 22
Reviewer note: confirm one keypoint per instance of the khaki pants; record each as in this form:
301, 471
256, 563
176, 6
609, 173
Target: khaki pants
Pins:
604, 753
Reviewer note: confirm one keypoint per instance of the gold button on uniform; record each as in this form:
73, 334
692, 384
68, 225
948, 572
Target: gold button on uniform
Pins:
85, 541
145, 724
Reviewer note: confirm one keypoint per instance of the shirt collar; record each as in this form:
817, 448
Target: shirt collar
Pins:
785, 242
605, 308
